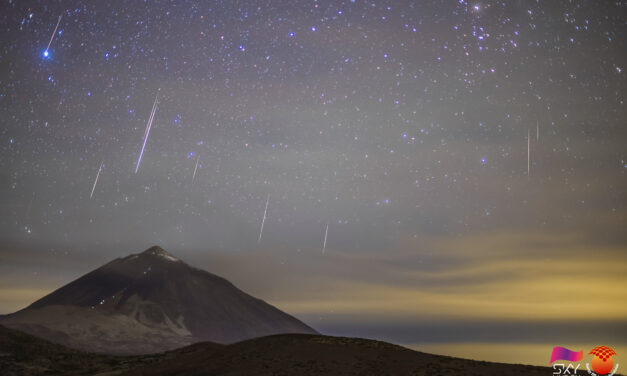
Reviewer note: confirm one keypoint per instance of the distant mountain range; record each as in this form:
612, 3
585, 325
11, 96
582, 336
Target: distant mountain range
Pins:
146, 303
284, 354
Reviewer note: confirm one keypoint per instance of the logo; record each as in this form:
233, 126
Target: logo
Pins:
601, 364
562, 353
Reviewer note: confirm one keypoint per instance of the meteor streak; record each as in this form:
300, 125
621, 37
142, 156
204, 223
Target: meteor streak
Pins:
326, 232
52, 36
30, 205
263, 220
96, 181
195, 168
537, 130
147, 133
528, 151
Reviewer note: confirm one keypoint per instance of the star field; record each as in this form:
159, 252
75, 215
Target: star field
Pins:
398, 123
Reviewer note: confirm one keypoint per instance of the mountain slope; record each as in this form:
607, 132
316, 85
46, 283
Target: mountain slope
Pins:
22, 354
150, 302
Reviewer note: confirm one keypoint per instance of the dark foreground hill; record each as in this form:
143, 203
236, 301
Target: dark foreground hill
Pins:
286, 354
308, 355
146, 303
23, 354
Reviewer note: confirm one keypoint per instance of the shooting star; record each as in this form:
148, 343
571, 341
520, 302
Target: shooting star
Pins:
528, 151
263, 220
537, 130
195, 168
96, 181
147, 133
30, 205
46, 53
326, 232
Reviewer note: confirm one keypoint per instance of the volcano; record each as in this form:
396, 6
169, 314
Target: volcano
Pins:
146, 303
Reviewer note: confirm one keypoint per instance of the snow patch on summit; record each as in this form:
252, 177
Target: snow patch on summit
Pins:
163, 254
169, 257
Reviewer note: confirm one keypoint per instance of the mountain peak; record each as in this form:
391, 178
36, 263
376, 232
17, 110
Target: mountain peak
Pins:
147, 302
155, 250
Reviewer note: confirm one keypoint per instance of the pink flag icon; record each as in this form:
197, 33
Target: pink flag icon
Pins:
562, 353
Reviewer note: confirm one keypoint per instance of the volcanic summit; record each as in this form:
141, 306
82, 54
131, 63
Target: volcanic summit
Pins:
150, 302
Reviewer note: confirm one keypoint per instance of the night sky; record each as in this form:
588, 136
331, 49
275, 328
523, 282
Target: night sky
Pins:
469, 158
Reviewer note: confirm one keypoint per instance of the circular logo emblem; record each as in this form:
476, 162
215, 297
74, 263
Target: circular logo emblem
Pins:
602, 361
